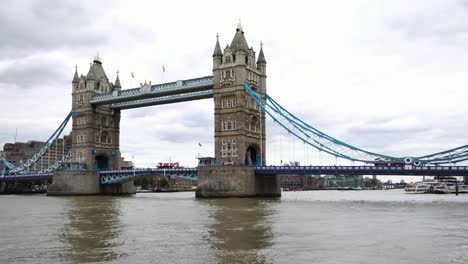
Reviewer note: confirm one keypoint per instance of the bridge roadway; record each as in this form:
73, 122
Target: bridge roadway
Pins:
109, 177
172, 92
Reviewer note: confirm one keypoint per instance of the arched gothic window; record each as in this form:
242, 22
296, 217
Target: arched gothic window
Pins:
104, 136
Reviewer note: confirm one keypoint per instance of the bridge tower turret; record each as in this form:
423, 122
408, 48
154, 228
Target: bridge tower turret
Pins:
95, 138
95, 132
239, 123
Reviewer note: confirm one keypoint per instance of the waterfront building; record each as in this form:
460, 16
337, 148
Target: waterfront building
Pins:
174, 183
331, 181
303, 182
18, 152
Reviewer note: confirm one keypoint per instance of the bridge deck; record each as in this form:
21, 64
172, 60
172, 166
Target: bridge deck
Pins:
365, 170
182, 88
169, 99
190, 173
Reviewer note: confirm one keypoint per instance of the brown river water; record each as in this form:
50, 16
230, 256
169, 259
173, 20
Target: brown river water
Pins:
300, 227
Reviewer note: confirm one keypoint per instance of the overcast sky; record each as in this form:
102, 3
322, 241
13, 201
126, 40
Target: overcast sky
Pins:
386, 76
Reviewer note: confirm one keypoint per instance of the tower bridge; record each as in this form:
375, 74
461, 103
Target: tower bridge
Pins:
241, 104
239, 123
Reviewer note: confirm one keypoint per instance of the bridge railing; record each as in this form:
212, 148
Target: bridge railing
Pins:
157, 90
109, 177
148, 170
164, 99
367, 170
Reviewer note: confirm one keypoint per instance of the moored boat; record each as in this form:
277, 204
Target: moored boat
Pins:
437, 185
419, 187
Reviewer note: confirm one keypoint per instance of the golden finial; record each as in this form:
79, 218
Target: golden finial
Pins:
239, 25
97, 58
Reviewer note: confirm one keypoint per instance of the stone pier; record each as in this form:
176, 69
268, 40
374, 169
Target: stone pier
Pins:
235, 181
84, 183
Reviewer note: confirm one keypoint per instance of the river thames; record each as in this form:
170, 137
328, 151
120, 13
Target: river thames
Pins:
300, 227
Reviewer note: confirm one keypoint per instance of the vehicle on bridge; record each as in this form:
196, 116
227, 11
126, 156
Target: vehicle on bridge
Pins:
391, 163
168, 165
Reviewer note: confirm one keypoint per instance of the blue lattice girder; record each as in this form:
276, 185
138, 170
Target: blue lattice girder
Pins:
41, 151
159, 90
120, 176
67, 156
363, 170
169, 99
8, 164
26, 177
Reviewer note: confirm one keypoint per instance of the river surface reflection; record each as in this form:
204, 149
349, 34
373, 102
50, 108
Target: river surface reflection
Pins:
302, 227
241, 231
92, 229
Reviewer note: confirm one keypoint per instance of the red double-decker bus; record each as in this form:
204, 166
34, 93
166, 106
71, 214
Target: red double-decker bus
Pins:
168, 165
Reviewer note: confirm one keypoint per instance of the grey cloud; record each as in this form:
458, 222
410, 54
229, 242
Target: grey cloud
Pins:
443, 23
137, 113
182, 136
197, 127
28, 73
377, 129
176, 123
38, 26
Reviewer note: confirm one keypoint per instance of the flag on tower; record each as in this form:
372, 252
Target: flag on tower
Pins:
199, 144
164, 69
132, 75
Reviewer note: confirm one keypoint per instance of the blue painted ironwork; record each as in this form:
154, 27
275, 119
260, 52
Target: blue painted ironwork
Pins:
8, 164
41, 151
120, 176
27, 177
169, 99
365, 170
323, 142
159, 90
67, 156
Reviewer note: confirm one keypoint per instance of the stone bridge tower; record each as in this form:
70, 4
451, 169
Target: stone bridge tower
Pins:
239, 123
95, 138
95, 132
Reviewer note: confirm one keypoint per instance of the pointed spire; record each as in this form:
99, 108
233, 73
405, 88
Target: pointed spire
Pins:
217, 50
261, 56
96, 71
239, 42
75, 77
117, 81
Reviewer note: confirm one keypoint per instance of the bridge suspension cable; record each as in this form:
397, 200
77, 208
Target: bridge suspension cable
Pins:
44, 149
339, 149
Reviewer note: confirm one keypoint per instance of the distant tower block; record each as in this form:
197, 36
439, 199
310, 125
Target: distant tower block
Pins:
239, 124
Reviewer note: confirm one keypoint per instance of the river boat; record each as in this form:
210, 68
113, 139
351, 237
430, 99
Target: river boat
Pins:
349, 188
451, 188
419, 187
439, 185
